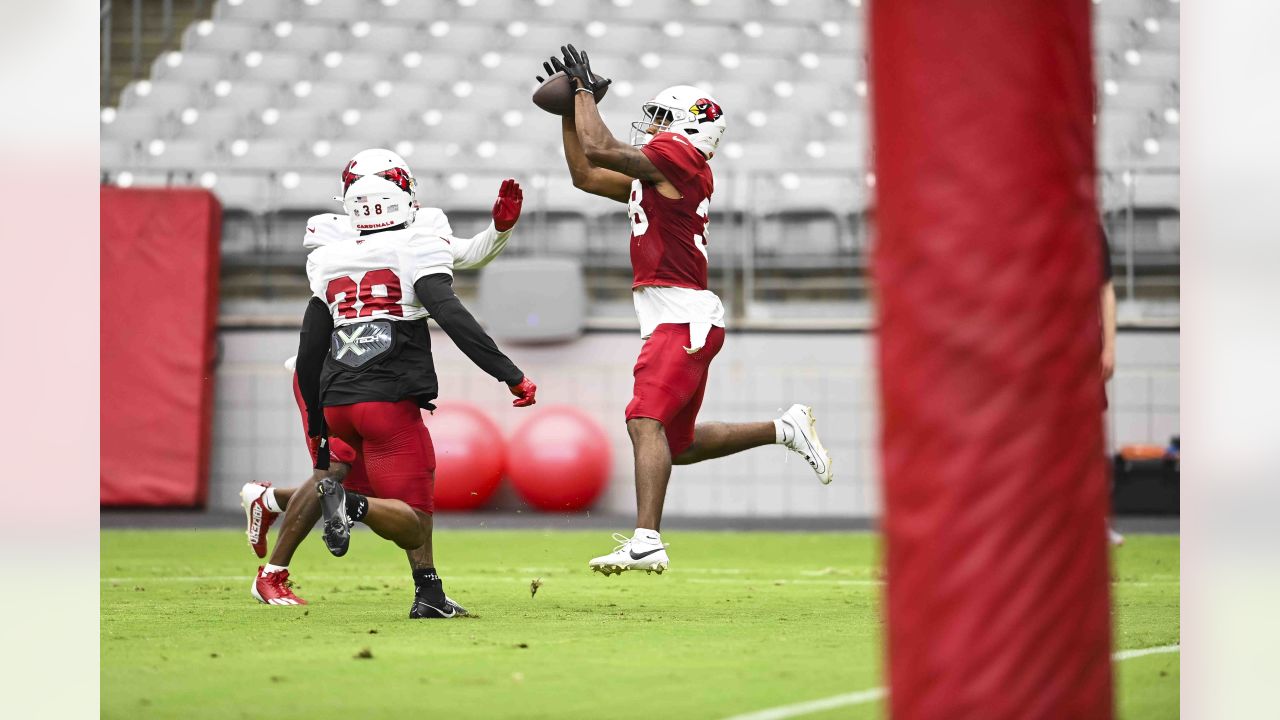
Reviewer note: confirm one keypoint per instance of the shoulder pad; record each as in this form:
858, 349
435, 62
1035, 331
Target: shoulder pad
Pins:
432, 221
326, 229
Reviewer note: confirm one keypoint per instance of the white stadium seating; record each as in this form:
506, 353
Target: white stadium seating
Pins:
277, 86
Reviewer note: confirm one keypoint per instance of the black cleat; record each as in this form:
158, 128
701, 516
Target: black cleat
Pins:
333, 508
423, 610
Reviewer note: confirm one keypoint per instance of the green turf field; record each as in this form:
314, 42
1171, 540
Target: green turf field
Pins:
722, 633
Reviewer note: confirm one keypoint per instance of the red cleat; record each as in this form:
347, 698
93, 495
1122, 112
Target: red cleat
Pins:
257, 517
274, 589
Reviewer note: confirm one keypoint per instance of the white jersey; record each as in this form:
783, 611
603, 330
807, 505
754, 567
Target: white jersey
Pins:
372, 277
327, 229
468, 252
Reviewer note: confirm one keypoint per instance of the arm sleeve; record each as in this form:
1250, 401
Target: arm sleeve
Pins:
313, 343
435, 292
677, 160
1107, 272
478, 250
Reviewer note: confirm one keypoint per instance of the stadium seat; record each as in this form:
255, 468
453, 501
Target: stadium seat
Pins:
1155, 65
309, 37
278, 67
189, 67
254, 96
470, 192
183, 154
461, 126
812, 11
132, 124
540, 38
711, 39
214, 124
671, 68
295, 124
324, 96
436, 71
264, 10
508, 157
431, 161
415, 11
335, 11
224, 36
637, 10
314, 192
335, 157
722, 11
364, 68
159, 95
264, 154
461, 38
385, 126
511, 66
115, 155
1134, 94
390, 37
838, 155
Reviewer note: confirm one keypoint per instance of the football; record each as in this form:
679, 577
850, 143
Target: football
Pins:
555, 95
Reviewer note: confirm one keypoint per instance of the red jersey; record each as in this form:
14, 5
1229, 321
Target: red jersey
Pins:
669, 237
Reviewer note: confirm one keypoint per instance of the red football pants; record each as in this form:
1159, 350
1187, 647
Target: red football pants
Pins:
356, 479
395, 446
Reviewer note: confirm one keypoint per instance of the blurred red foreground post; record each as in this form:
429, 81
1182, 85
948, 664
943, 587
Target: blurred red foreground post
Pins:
987, 276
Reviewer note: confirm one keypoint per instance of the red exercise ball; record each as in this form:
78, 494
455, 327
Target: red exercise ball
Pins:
559, 459
469, 455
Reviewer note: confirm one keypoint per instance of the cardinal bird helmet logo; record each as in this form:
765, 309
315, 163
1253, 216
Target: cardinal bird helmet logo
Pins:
705, 110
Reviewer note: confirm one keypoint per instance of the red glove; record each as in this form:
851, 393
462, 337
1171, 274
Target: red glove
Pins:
524, 392
506, 211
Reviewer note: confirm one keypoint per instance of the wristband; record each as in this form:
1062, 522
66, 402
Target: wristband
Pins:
584, 89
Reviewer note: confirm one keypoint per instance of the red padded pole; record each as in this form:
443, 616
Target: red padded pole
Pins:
987, 276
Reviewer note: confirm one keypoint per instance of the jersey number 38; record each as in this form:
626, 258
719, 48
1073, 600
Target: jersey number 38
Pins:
640, 221
346, 292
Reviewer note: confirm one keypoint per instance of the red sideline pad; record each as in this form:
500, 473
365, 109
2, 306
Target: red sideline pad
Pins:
160, 261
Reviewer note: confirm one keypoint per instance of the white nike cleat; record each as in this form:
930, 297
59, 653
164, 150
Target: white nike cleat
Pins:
804, 440
632, 554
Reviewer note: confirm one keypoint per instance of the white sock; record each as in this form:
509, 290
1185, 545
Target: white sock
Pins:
782, 432
648, 537
269, 499
269, 568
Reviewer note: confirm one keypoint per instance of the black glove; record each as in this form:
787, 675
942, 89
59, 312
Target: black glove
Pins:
578, 67
546, 68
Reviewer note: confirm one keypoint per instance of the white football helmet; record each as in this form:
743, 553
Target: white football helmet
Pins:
686, 110
378, 190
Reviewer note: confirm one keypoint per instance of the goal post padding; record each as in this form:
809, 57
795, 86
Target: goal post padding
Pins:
160, 263
987, 277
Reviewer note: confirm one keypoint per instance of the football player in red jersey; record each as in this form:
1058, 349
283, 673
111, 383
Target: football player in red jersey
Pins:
665, 179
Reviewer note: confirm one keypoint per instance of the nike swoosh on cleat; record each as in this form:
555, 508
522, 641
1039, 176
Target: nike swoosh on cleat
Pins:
645, 554
813, 461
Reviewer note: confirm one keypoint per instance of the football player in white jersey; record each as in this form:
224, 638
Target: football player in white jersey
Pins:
364, 362
262, 503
